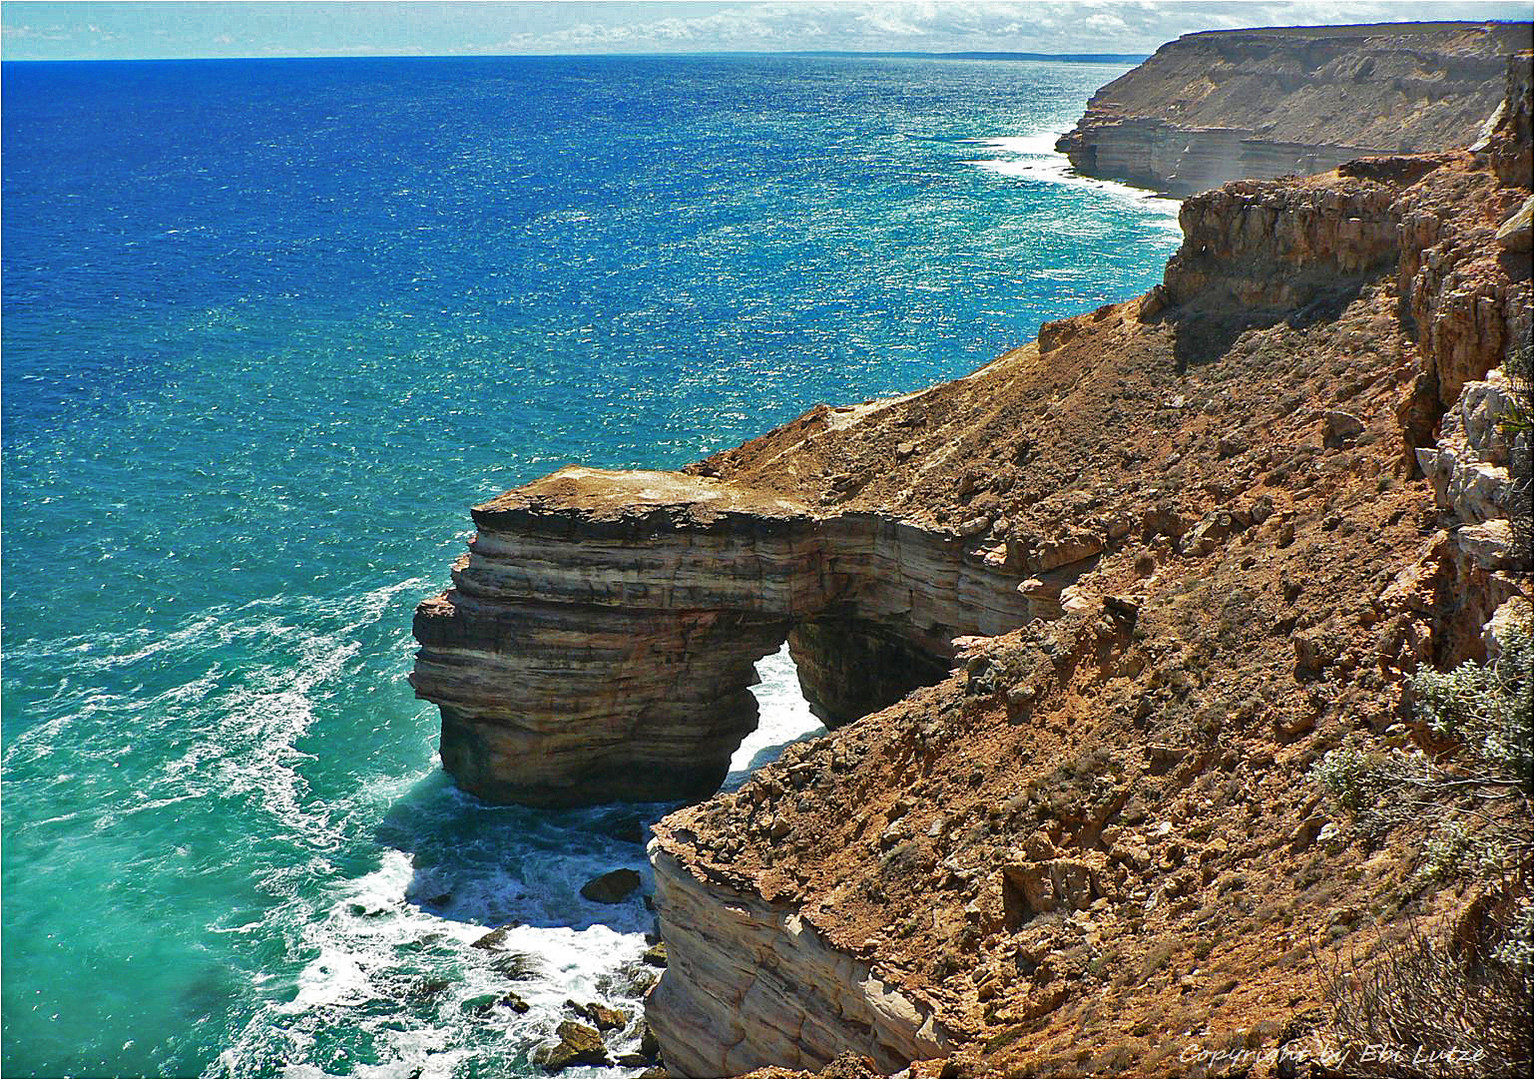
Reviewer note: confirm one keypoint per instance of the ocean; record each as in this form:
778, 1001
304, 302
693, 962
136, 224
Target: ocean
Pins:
269, 329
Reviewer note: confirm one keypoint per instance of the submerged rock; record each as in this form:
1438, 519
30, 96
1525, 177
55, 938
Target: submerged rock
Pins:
626, 830
496, 940
516, 966
613, 887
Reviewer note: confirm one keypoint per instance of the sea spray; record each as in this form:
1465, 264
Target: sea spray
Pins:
396, 956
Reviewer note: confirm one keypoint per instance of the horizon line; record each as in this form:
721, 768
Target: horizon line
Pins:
963, 54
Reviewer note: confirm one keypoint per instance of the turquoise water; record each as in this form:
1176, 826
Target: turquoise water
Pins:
270, 327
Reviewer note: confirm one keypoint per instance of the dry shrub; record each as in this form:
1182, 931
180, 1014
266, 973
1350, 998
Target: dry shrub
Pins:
1454, 1000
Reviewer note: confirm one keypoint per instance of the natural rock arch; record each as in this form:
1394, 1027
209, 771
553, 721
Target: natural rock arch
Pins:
599, 641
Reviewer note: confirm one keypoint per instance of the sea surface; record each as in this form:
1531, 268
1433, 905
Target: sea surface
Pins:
269, 329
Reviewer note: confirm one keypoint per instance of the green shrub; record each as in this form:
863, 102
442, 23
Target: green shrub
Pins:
1453, 851
1456, 1001
1485, 707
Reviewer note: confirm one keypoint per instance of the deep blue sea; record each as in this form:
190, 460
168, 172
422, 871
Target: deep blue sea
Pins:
269, 329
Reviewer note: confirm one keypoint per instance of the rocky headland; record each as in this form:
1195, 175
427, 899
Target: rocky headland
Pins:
1099, 627
1234, 104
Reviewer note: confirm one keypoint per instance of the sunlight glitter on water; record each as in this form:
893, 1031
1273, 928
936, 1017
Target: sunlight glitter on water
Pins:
253, 380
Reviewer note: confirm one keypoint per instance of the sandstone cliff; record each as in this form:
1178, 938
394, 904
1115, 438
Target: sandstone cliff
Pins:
1142, 574
599, 640
1225, 105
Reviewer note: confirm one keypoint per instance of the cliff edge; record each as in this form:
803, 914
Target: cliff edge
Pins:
1105, 628
1233, 104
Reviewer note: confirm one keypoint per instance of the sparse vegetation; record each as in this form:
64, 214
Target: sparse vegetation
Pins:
1452, 1001
1517, 369
1474, 801
1486, 707
1457, 1000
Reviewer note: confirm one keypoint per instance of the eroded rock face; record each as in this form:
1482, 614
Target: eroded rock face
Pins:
1468, 464
1046, 825
1466, 299
750, 982
599, 641
1272, 244
1508, 141
1258, 251
1220, 106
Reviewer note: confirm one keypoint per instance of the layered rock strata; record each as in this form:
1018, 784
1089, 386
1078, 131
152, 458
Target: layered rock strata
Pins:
751, 982
599, 639
1101, 832
1226, 105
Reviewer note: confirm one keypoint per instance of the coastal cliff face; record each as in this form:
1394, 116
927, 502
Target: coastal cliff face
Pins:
1225, 105
752, 982
1175, 552
1098, 834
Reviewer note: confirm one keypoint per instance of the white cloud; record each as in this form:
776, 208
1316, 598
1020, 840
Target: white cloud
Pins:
1105, 23
1119, 26
1055, 26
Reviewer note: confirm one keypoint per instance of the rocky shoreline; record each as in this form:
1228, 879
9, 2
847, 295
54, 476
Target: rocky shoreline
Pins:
1087, 620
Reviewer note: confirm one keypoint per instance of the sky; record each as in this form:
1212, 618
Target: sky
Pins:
119, 31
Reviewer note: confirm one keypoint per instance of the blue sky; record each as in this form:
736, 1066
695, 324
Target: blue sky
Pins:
148, 30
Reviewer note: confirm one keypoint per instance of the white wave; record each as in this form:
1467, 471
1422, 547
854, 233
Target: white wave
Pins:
384, 956
1042, 144
784, 716
427, 1000
402, 969
240, 727
1035, 157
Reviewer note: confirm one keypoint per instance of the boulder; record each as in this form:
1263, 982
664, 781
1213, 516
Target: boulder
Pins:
578, 1045
602, 1017
650, 1049
1491, 544
613, 887
1515, 233
1340, 428
1066, 550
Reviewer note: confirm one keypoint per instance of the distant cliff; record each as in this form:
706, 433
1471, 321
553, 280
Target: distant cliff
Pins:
1229, 105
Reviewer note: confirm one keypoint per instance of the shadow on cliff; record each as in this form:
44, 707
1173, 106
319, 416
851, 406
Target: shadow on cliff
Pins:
1205, 333
491, 865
